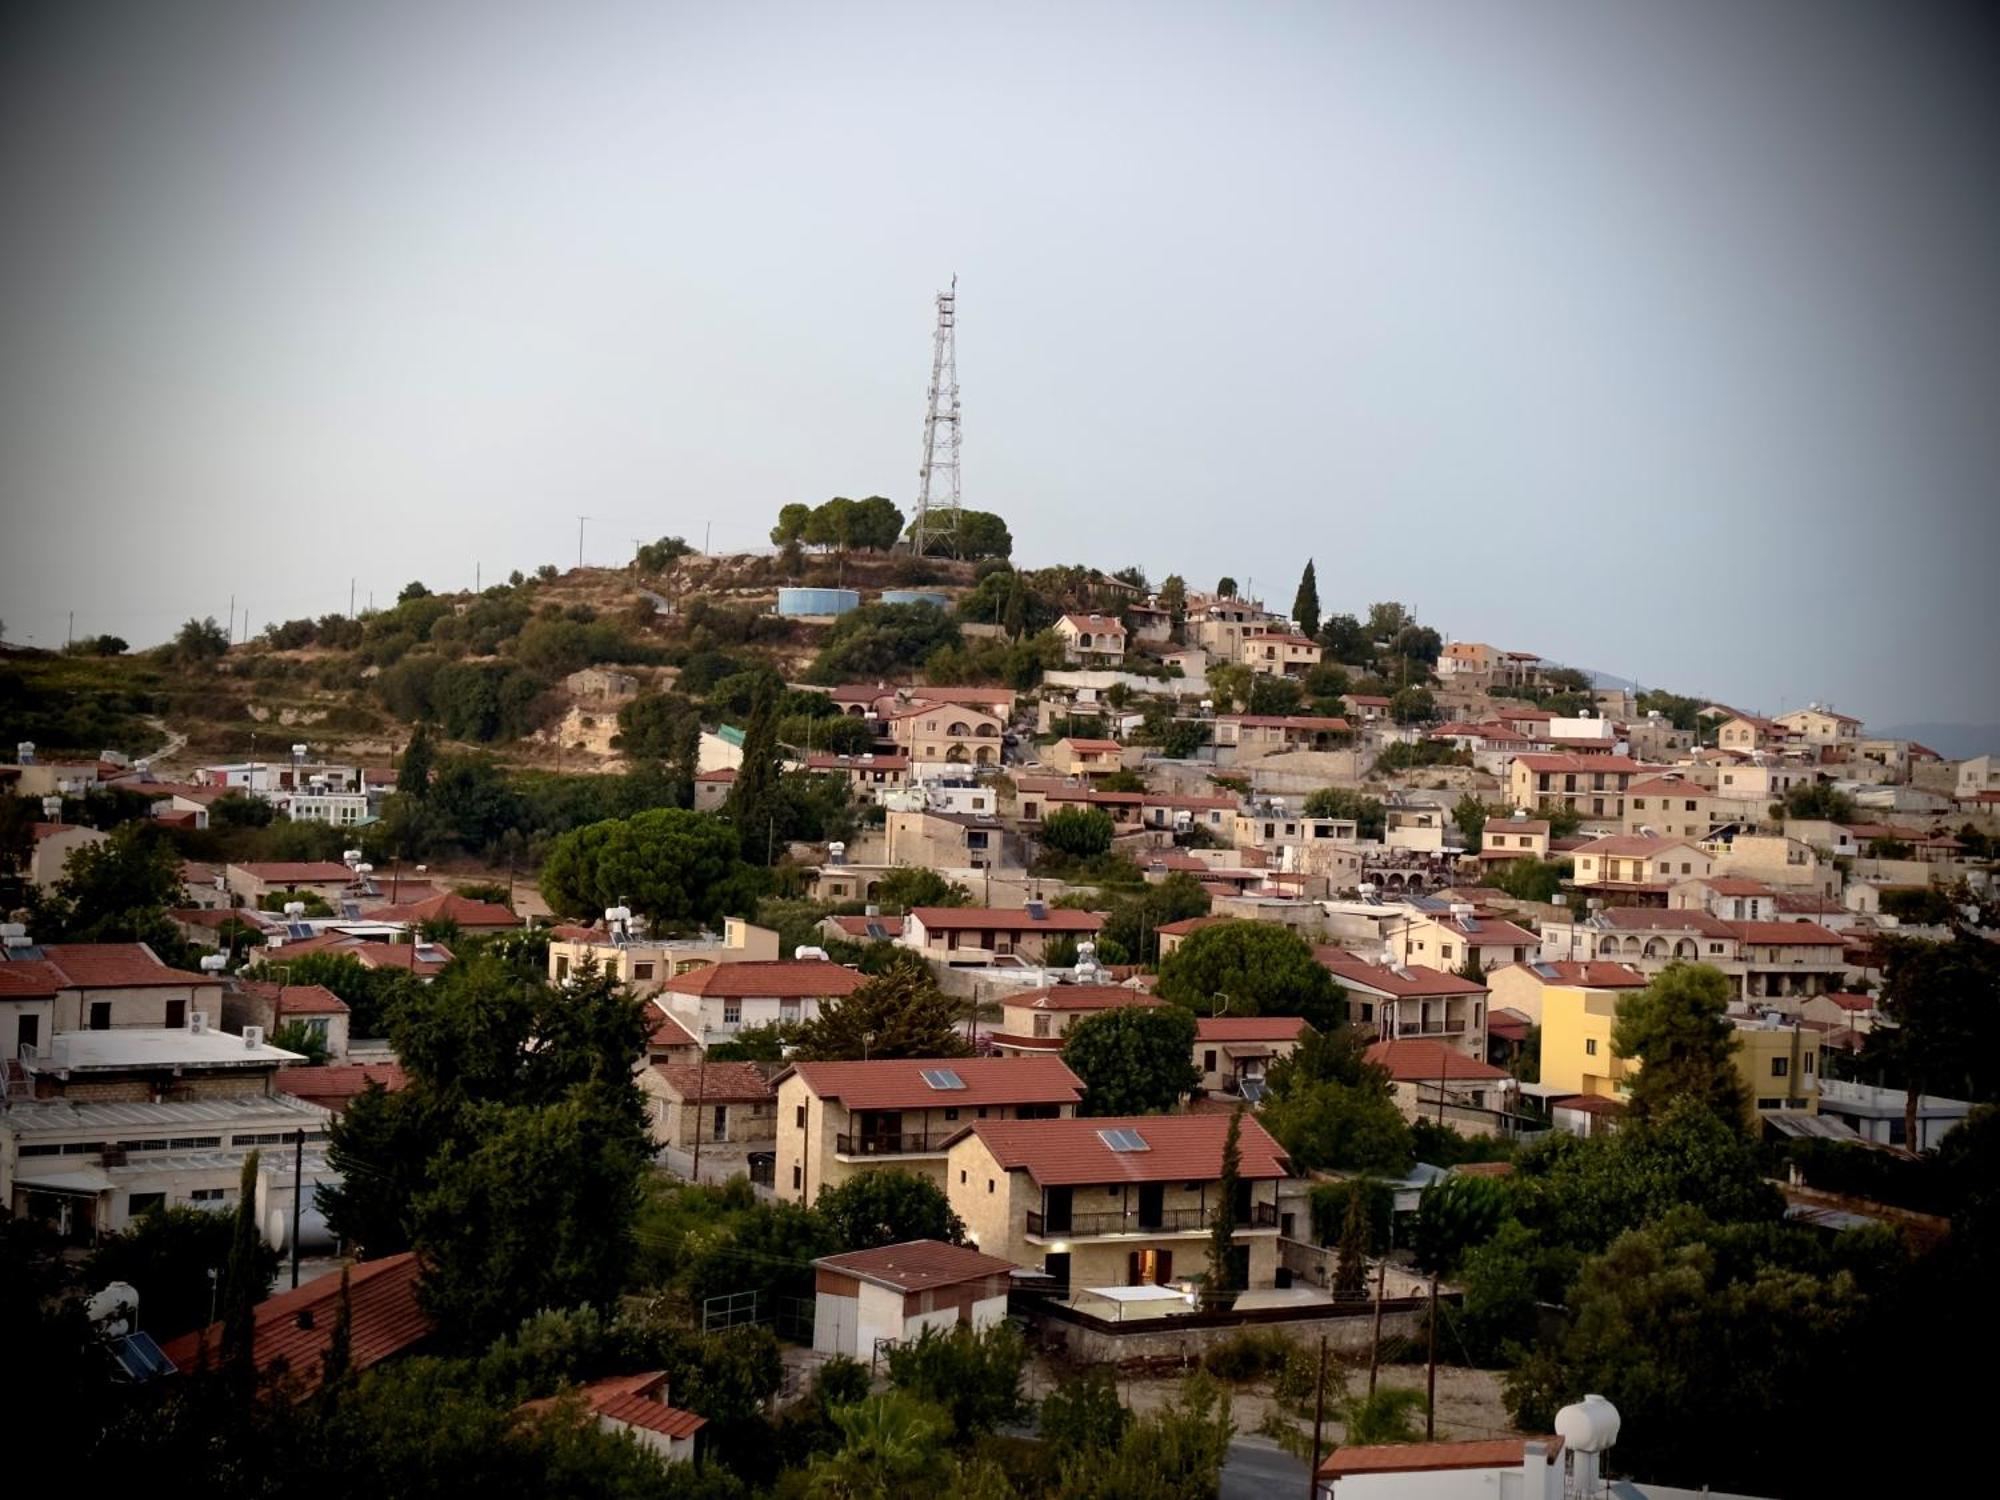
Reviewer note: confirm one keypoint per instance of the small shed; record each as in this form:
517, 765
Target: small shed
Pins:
867, 1298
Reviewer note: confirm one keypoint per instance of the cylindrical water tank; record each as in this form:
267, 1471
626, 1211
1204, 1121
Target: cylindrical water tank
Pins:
1589, 1425
794, 602
915, 596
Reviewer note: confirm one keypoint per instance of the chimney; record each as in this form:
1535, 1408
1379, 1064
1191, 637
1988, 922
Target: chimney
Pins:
1538, 1475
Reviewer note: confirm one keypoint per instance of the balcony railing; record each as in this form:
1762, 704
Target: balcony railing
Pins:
1094, 1225
1429, 1028
893, 1143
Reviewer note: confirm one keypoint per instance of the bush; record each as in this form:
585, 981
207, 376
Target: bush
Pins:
1079, 832
1249, 1355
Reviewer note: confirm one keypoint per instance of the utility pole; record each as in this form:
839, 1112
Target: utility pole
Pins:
1375, 1347
232, 619
69, 635
579, 539
1431, 1383
298, 1195
1319, 1416
350, 598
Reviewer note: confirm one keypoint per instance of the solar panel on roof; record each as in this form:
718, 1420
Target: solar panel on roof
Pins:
140, 1358
351, 910
942, 1078
1469, 924
298, 929
1123, 1140
1544, 971
1253, 1089
877, 931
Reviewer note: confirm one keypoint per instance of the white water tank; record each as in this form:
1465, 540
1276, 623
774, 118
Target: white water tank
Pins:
1589, 1425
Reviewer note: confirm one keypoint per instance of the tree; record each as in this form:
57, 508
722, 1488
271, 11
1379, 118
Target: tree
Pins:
899, 1013
1225, 587
1370, 816
169, 1256
1531, 879
658, 556
668, 864
1678, 1029
200, 642
303, 1038
1456, 1214
1351, 1266
973, 1375
1938, 997
246, 1276
115, 891
1174, 1453
983, 534
1133, 923
1079, 832
1134, 1059
1260, 968
1083, 1414
1355, 1128
1413, 705
791, 527
1815, 799
887, 1207
1345, 639
918, 885
1387, 1415
890, 1446
1305, 604
1470, 814
534, 1209
1220, 1285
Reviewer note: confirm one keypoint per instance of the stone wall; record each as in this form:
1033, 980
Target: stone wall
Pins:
1349, 1330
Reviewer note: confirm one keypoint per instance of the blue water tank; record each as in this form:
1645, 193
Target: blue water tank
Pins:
915, 596
817, 601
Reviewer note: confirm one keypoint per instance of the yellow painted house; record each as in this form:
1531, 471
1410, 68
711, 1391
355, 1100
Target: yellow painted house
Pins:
1777, 1060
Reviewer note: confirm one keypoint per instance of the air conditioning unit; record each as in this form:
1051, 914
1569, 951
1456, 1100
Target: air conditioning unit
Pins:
198, 1022
253, 1036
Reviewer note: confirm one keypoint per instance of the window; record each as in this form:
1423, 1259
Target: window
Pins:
800, 1119
989, 1184
732, 1012
798, 1177
1208, 1061
642, 970
961, 1176
1590, 1046
177, 1014
206, 1195
1780, 1067
721, 1124
145, 1203
1809, 1062
1041, 1024
1446, 950
950, 1115
100, 1016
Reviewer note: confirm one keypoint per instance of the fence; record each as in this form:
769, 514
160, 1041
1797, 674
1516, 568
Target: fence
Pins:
788, 1317
1349, 1327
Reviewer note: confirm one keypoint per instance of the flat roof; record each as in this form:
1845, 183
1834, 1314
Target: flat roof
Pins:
54, 1115
156, 1047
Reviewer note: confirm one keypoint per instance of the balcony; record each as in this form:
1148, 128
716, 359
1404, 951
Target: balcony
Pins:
884, 1143
1430, 1028
1086, 1226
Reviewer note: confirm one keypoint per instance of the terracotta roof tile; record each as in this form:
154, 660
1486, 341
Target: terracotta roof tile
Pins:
1081, 997
719, 1082
996, 919
899, 1083
1187, 925
1250, 1028
447, 906
384, 1319
25, 979
297, 872
1591, 975
1413, 980
1416, 1060
1786, 934
332, 1085
1179, 1148
121, 966
917, 1265
1418, 1458
668, 1032
634, 1400
776, 978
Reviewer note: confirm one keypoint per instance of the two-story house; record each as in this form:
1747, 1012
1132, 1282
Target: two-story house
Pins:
1729, 897
1522, 987
1638, 868
1038, 1020
1278, 653
1400, 1001
1671, 806
1232, 1052
1515, 837
1074, 756
716, 1002
1445, 940
645, 961
947, 733
1092, 640
1117, 1201
1432, 1080
1747, 732
728, 1109
837, 1119
1820, 730
1592, 786
1251, 736
970, 936
271, 1006
948, 840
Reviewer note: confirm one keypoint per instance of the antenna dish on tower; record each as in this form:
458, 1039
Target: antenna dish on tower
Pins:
935, 528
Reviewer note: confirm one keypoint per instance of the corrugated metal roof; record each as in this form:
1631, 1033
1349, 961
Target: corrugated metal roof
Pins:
60, 1114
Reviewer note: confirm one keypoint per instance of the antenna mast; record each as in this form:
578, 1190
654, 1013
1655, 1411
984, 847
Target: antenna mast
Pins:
936, 526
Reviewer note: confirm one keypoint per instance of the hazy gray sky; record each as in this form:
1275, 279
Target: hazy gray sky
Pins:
1660, 338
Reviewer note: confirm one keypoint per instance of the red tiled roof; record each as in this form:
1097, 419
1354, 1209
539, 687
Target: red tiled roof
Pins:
1592, 975
1847, 1000
773, 978
448, 906
1025, 1043
1081, 997
917, 1265
1187, 925
25, 979
1518, 825
857, 927
1109, 747
1610, 764
369, 954
635, 1401
1810, 902
1180, 1148
1319, 723
1643, 844
668, 1032
1732, 885
1660, 919
1106, 623
297, 872
121, 966
720, 773
331, 1085
1786, 934
310, 1000
384, 1319
721, 1082
1250, 1028
1419, 1458
998, 919
898, 1083
1676, 786
1489, 931
1415, 980
1416, 1060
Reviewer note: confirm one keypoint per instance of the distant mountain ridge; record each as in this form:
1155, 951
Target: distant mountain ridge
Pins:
1952, 741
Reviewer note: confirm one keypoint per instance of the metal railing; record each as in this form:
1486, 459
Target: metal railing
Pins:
892, 1143
1093, 1225
1429, 1028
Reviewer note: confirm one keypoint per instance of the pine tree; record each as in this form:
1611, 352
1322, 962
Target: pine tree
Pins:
684, 758
1219, 1289
1014, 613
338, 1360
753, 798
1305, 605
1350, 1272
243, 1278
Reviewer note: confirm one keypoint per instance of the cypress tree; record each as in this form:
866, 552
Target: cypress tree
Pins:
243, 1278
753, 799
1305, 605
1221, 1282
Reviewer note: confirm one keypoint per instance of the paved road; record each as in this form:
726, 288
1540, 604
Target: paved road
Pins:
1258, 1469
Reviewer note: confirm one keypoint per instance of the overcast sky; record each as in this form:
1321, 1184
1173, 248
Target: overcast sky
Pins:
1658, 338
